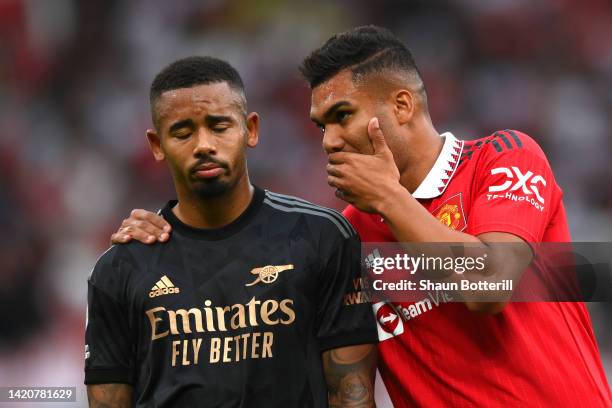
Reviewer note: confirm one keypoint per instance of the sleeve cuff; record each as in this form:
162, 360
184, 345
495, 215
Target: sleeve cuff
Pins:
108, 375
348, 339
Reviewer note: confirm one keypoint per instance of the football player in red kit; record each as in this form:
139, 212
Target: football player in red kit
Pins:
405, 182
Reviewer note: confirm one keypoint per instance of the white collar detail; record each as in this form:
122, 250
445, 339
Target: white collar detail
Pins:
443, 169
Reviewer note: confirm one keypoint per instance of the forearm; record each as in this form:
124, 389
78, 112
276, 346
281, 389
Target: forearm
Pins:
110, 396
350, 373
420, 233
412, 224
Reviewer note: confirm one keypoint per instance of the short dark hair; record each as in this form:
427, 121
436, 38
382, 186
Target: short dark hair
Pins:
192, 71
364, 49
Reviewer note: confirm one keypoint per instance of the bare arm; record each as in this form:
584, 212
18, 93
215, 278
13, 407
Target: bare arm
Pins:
110, 395
504, 262
350, 373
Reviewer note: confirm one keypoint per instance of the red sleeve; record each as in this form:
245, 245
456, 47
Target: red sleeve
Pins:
362, 222
349, 212
514, 191
353, 215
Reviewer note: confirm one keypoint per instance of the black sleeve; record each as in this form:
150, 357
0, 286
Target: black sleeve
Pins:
109, 349
344, 312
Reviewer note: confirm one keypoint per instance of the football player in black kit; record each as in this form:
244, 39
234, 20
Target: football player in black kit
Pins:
251, 303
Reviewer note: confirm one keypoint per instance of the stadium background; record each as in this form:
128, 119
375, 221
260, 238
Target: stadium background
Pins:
74, 78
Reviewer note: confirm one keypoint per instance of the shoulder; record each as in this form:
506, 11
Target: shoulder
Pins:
118, 263
510, 141
502, 145
357, 218
325, 219
106, 261
351, 213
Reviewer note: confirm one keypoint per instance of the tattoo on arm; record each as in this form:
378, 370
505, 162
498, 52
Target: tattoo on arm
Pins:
110, 396
350, 373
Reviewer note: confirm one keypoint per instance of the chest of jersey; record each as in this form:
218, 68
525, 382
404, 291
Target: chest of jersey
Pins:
201, 302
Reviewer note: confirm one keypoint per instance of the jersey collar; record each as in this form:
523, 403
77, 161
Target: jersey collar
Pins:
215, 234
443, 169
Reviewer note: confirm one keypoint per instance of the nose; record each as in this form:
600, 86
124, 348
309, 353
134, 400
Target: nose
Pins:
205, 143
332, 140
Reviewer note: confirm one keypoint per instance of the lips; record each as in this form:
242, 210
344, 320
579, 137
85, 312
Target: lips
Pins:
208, 170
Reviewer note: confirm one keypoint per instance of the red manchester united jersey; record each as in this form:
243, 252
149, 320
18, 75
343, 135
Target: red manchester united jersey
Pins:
531, 354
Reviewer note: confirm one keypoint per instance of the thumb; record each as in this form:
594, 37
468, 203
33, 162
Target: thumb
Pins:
377, 137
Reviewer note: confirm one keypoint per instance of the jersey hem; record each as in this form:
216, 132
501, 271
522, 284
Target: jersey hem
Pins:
349, 339
107, 375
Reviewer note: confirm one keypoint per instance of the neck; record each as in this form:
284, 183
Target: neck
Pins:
214, 212
422, 153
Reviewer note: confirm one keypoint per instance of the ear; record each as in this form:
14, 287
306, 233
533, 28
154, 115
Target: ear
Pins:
155, 144
404, 105
252, 123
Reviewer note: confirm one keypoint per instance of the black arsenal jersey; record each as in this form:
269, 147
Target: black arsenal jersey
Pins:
230, 317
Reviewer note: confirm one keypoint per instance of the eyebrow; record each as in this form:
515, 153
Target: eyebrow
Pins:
181, 124
331, 111
210, 119
218, 118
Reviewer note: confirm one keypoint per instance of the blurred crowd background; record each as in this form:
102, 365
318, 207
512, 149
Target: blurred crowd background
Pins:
74, 78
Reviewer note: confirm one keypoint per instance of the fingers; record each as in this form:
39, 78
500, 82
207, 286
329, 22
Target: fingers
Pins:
152, 218
334, 181
377, 137
334, 170
339, 157
120, 238
344, 196
144, 232
144, 226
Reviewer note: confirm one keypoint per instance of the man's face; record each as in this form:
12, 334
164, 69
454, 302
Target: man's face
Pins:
202, 132
342, 110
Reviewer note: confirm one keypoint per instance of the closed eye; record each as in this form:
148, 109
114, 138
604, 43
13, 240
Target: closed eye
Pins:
341, 116
182, 134
220, 128
219, 123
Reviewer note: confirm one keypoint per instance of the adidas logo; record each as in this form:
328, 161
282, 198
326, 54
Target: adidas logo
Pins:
371, 258
163, 287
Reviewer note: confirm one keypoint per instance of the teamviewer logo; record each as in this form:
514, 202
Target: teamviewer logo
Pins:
388, 322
